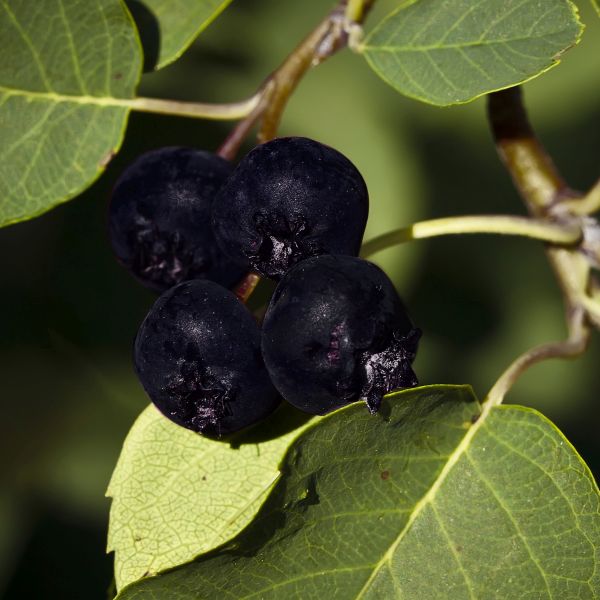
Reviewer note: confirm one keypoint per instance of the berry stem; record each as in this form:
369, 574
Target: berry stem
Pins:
330, 35
288, 75
232, 143
245, 288
500, 224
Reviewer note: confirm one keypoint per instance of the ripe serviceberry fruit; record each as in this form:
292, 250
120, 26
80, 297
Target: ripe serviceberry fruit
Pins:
289, 199
197, 354
335, 332
159, 219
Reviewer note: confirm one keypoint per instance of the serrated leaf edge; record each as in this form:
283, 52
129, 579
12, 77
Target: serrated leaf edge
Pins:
363, 48
487, 409
111, 490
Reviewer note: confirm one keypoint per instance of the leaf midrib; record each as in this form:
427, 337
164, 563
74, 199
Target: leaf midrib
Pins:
474, 43
82, 99
428, 497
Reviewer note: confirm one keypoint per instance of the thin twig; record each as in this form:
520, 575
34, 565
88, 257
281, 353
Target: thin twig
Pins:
357, 9
321, 43
586, 205
232, 143
573, 346
245, 288
269, 101
329, 36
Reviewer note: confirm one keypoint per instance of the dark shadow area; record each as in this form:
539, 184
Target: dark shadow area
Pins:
275, 515
70, 313
149, 31
285, 419
65, 559
261, 296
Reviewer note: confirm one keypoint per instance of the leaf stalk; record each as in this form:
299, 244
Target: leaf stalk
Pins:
198, 110
586, 205
495, 224
268, 103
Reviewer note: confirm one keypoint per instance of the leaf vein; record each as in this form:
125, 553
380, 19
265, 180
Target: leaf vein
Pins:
501, 18
558, 488
461, 567
30, 45
454, 46
471, 9
512, 519
74, 54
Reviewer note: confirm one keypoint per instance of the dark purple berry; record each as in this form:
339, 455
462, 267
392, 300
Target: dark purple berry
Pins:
159, 219
290, 199
335, 332
197, 354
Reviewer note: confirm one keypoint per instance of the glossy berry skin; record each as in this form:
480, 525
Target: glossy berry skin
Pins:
287, 200
197, 355
159, 219
336, 332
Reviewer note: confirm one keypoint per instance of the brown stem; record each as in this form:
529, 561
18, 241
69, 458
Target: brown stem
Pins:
547, 196
533, 172
245, 288
329, 36
232, 143
324, 41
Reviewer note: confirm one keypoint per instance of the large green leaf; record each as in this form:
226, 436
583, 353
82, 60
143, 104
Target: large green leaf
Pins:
456, 50
64, 66
168, 27
429, 499
176, 493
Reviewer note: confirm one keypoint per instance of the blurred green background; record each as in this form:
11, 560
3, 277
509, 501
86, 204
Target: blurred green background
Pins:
69, 312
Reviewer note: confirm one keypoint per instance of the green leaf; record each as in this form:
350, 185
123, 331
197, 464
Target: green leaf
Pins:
64, 66
168, 27
176, 494
454, 51
429, 499
596, 5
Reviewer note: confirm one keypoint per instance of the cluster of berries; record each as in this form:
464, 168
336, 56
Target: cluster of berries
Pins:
188, 224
